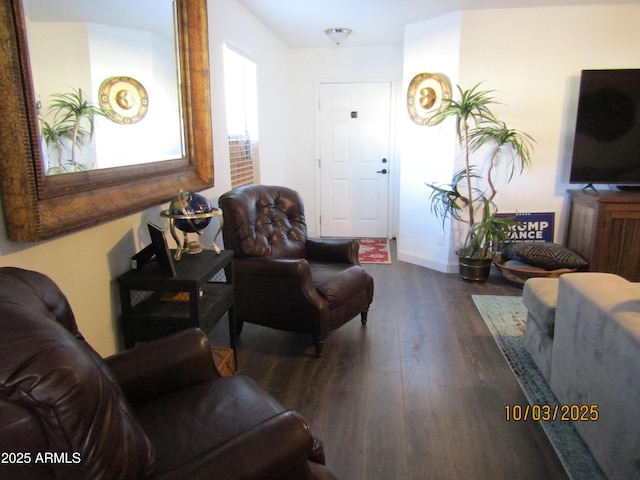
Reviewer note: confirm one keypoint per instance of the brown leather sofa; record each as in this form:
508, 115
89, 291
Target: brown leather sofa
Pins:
157, 411
281, 278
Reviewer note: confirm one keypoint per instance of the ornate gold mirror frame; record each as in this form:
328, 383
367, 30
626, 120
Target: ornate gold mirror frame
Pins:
37, 207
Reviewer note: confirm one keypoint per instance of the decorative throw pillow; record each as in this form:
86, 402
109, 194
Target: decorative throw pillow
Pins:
547, 255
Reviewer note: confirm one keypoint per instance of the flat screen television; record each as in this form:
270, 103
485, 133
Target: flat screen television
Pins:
606, 148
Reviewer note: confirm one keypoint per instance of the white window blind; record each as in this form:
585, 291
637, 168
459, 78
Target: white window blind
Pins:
241, 94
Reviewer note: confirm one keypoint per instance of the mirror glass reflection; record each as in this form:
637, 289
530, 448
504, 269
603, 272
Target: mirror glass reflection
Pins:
114, 62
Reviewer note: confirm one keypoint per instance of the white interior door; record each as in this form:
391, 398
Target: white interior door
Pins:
354, 159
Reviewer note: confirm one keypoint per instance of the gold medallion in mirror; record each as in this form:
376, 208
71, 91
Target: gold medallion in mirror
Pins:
425, 97
124, 99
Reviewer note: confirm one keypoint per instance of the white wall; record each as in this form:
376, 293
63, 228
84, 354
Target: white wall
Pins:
427, 153
72, 38
52, 71
231, 22
94, 52
532, 58
150, 59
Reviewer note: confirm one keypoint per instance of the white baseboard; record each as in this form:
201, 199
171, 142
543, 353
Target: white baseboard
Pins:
444, 267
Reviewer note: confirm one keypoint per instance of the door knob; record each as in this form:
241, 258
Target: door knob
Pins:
383, 171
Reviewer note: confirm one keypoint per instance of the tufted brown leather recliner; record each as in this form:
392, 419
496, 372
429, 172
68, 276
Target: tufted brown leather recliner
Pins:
282, 279
157, 411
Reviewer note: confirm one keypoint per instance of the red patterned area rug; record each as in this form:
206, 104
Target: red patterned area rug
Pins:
374, 250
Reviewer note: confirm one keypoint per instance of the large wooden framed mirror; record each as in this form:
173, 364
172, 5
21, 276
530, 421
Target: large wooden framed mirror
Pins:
38, 206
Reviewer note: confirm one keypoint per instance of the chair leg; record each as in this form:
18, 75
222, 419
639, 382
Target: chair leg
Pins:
363, 316
319, 342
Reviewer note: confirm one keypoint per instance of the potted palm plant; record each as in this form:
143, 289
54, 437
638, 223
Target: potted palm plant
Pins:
469, 198
73, 122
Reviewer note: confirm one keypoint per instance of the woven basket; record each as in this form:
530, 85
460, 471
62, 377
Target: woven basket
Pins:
519, 275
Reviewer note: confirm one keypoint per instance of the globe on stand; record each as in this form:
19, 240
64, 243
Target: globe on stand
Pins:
190, 212
190, 204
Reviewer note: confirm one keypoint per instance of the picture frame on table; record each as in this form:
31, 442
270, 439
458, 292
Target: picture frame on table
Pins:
161, 248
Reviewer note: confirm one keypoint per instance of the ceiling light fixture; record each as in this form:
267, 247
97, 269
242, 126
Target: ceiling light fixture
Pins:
338, 35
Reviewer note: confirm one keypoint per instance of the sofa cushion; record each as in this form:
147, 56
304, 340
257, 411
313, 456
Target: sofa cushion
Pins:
540, 296
547, 255
596, 361
226, 408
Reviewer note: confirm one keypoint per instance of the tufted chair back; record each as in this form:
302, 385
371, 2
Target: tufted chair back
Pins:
264, 221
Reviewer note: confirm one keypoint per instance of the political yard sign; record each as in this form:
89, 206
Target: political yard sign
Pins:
531, 227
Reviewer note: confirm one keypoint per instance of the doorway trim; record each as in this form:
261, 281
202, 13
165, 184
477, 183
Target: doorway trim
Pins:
394, 166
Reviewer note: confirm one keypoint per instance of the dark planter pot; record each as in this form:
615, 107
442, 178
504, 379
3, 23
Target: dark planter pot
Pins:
474, 269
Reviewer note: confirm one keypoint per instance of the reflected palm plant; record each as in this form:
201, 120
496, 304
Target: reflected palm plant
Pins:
73, 122
54, 136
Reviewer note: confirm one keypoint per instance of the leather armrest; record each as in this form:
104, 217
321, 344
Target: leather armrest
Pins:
266, 451
294, 273
164, 365
333, 250
280, 267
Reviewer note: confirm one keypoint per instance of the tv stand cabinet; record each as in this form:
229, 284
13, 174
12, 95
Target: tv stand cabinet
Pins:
604, 228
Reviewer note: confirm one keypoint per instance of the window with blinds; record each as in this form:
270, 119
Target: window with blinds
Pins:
241, 95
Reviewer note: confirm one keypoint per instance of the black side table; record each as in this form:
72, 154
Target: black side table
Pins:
156, 308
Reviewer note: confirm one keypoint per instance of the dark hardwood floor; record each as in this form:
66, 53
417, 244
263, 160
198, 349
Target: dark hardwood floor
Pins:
419, 393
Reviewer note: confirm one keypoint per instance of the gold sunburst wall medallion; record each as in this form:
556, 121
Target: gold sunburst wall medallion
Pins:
425, 97
124, 99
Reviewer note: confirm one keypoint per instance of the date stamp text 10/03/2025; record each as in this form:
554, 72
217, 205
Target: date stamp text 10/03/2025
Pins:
565, 413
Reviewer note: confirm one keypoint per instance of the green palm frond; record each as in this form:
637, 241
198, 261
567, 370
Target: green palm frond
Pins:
73, 109
54, 133
504, 138
446, 199
490, 234
473, 106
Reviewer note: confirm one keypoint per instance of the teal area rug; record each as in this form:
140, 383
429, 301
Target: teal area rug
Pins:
506, 318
